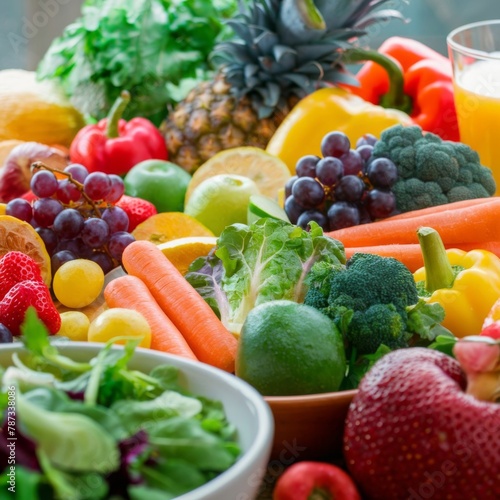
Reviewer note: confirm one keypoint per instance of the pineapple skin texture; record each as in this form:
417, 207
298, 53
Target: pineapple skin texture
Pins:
35, 111
210, 119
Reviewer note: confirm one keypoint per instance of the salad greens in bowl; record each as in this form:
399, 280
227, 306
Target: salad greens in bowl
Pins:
100, 421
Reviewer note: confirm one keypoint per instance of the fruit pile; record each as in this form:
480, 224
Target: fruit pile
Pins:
75, 215
289, 199
344, 188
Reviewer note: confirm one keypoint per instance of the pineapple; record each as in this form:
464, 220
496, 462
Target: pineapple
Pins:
282, 51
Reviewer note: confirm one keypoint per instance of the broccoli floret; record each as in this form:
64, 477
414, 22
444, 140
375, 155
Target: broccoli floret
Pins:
383, 287
371, 279
432, 171
379, 324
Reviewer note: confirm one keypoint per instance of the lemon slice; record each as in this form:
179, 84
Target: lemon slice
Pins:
182, 251
16, 234
267, 171
167, 226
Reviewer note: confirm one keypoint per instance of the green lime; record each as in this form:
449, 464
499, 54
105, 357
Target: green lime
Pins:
286, 349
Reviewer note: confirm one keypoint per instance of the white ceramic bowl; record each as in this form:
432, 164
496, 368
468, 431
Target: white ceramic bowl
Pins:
244, 407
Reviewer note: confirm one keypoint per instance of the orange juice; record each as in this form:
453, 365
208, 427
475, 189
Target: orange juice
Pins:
477, 99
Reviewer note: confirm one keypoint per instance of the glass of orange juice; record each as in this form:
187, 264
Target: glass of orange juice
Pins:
474, 51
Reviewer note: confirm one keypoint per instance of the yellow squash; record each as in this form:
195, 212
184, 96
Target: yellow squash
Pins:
35, 111
327, 110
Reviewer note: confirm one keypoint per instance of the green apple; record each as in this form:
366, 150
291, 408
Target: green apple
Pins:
161, 182
221, 200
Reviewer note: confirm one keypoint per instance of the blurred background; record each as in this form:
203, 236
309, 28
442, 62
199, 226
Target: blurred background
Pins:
27, 27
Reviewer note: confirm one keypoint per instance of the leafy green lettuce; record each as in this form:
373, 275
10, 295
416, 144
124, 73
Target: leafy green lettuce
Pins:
96, 430
156, 49
268, 260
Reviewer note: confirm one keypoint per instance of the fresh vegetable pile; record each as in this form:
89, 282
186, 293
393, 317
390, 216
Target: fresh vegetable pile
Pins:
99, 429
151, 47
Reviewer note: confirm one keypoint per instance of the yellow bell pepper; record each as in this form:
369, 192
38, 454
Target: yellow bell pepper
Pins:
466, 284
327, 110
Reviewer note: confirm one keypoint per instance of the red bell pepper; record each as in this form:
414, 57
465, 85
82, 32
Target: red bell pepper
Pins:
114, 145
308, 480
408, 75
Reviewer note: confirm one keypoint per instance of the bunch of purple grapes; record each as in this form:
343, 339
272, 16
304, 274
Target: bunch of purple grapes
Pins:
344, 188
75, 216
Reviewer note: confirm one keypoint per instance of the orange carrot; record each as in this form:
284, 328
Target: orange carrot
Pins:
472, 224
132, 293
211, 342
439, 208
410, 254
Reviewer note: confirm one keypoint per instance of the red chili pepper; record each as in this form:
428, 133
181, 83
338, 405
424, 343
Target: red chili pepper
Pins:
408, 75
318, 480
114, 145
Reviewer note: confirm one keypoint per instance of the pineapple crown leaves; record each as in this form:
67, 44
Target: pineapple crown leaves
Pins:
285, 48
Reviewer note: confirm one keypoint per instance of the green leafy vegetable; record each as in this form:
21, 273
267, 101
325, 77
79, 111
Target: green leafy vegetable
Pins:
96, 430
69, 440
156, 49
268, 260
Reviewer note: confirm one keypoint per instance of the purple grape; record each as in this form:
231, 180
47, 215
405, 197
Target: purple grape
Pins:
365, 152
59, 258
97, 186
352, 161
76, 246
116, 218
6, 336
306, 166
335, 144
95, 232
117, 189
118, 242
20, 209
366, 139
77, 171
289, 184
349, 188
293, 209
380, 204
68, 223
104, 260
312, 215
308, 192
382, 173
67, 192
45, 211
43, 184
343, 214
49, 238
329, 170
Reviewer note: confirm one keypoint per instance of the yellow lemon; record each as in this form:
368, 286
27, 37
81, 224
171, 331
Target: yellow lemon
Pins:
74, 325
182, 251
266, 170
120, 322
78, 283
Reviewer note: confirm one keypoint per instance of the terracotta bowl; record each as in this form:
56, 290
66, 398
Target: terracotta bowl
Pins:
309, 427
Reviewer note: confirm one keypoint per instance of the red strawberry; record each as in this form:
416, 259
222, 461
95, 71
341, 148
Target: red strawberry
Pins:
29, 196
138, 210
15, 267
27, 293
413, 433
